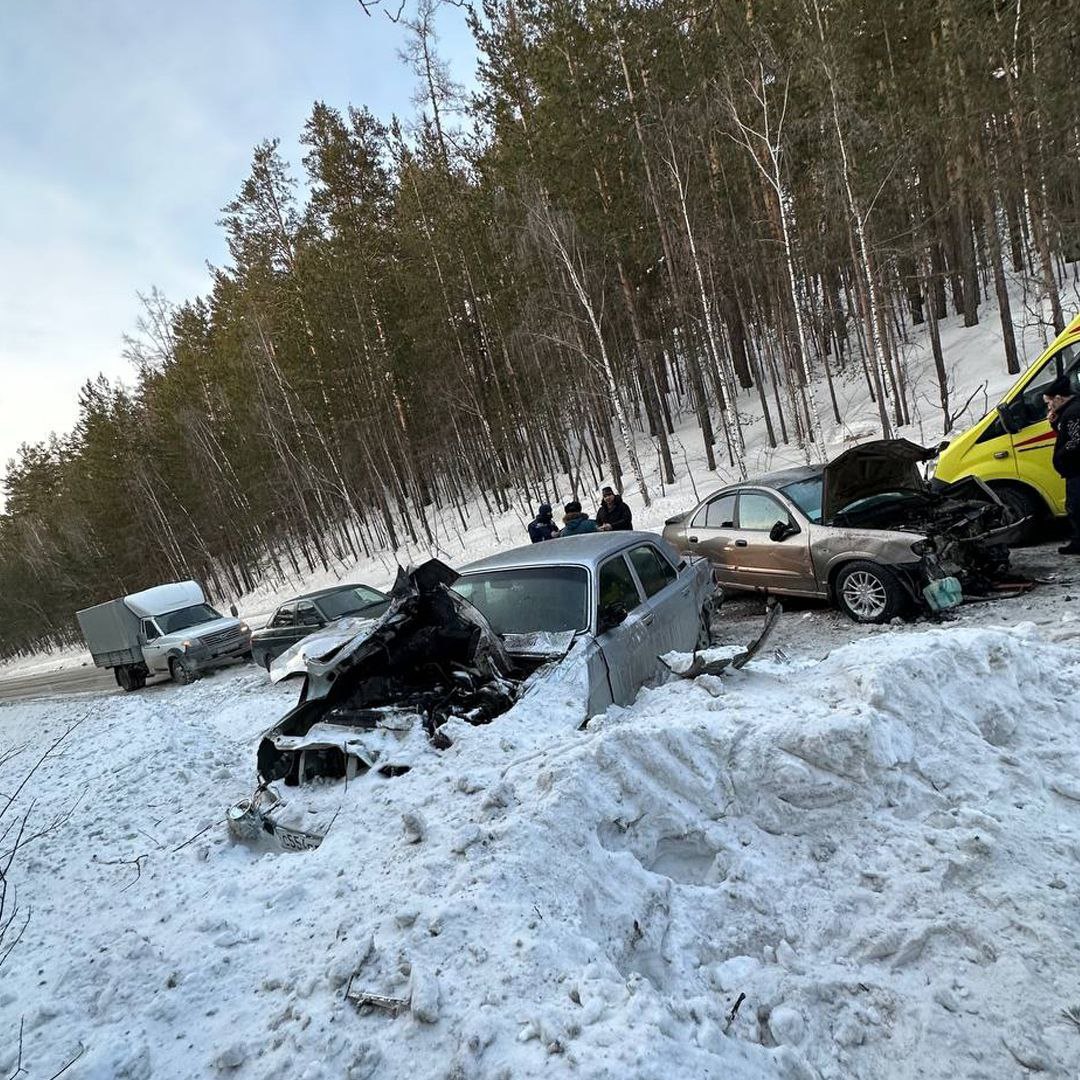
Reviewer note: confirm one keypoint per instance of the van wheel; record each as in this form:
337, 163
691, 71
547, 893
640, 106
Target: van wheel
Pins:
869, 593
1022, 502
180, 671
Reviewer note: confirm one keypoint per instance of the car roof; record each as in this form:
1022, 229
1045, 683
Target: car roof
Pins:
780, 478
329, 590
589, 551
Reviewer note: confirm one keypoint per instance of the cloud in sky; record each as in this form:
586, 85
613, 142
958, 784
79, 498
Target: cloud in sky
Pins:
125, 127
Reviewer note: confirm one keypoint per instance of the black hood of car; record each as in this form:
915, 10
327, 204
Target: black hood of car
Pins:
873, 468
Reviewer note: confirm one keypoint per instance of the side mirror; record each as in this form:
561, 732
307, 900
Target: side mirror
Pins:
1009, 420
609, 616
942, 446
782, 530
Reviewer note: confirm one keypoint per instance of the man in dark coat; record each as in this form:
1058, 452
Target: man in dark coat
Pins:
542, 527
613, 514
575, 523
1063, 412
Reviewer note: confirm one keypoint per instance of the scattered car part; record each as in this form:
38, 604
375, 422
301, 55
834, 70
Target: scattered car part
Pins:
700, 666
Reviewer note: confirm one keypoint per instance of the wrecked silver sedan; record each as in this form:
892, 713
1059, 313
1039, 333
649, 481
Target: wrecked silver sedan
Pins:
864, 531
592, 614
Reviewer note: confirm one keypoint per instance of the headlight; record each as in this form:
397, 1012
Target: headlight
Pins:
924, 547
244, 628
187, 644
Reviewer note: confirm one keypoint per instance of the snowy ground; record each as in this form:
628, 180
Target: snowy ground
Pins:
876, 842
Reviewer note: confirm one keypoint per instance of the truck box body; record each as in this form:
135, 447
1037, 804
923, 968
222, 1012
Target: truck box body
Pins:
112, 633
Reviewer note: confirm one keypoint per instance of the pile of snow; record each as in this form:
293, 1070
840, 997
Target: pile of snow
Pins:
865, 866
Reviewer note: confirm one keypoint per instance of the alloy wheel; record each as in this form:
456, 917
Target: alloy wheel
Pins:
865, 595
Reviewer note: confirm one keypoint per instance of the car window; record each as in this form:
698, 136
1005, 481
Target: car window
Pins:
350, 601
653, 570
617, 585
719, 513
806, 495
150, 631
760, 512
529, 600
306, 615
285, 616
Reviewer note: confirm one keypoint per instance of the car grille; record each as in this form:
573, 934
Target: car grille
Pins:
222, 637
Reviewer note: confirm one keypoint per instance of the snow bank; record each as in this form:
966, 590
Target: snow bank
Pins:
879, 850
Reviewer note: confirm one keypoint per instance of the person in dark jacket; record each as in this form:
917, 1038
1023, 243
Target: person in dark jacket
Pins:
613, 514
542, 527
1063, 412
575, 523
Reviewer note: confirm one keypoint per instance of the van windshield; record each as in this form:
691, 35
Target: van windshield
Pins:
529, 600
175, 621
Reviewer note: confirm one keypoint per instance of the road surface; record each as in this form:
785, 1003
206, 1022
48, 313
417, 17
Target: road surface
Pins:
79, 680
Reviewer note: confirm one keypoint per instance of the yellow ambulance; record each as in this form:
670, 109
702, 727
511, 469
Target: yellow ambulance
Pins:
1011, 447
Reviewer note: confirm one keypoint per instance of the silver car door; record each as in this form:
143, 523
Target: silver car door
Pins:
764, 563
623, 645
711, 534
668, 601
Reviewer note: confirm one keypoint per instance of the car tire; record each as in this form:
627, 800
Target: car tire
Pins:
868, 592
180, 672
1022, 502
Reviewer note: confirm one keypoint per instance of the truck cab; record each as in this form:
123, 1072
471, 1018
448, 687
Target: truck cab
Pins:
1011, 448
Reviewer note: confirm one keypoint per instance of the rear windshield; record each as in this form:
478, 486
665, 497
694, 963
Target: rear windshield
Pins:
175, 621
541, 598
806, 495
349, 601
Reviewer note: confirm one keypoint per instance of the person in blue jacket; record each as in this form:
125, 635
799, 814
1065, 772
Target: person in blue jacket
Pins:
542, 527
575, 523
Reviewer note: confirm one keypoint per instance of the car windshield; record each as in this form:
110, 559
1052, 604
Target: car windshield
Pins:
349, 601
195, 615
806, 495
526, 601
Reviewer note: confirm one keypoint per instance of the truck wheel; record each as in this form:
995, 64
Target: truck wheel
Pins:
869, 593
180, 671
129, 677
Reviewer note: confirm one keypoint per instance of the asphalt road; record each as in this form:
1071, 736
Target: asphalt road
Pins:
80, 680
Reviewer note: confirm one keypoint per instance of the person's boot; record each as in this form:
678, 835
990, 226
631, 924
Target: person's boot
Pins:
1071, 548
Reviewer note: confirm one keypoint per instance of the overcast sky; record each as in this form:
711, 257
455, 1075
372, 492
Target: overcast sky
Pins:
125, 127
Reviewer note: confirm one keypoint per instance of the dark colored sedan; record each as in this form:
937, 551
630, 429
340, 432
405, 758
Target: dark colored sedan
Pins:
304, 615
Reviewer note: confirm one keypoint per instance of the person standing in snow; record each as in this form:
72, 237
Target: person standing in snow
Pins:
542, 527
575, 523
1063, 412
613, 514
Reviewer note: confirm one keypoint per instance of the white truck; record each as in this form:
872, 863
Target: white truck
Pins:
169, 629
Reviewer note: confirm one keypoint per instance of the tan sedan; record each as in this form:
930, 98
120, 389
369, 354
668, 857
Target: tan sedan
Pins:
864, 531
